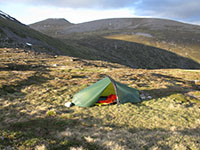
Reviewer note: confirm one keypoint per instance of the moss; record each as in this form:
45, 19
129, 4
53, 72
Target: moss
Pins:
178, 97
32, 142
51, 113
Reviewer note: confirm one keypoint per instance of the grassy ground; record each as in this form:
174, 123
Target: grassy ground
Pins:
34, 88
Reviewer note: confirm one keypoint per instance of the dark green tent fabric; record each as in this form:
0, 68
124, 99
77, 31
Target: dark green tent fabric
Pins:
90, 95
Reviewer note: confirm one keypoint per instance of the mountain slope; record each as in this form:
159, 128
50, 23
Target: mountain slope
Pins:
136, 42
136, 55
15, 34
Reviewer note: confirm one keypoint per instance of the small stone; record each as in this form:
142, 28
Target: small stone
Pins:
149, 97
2, 137
142, 97
8, 148
40, 147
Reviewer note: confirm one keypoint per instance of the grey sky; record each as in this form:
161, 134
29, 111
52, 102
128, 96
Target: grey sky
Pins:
188, 10
184, 10
78, 3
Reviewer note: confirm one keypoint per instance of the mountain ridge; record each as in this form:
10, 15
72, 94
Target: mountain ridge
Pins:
180, 38
119, 23
104, 45
6, 16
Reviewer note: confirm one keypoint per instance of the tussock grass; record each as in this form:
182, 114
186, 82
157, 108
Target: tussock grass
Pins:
32, 113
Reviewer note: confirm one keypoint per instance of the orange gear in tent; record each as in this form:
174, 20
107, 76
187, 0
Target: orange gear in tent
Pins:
110, 99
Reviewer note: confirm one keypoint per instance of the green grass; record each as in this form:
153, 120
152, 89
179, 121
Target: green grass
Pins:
33, 115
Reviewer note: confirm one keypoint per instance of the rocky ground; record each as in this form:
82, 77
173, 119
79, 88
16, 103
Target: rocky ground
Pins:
34, 88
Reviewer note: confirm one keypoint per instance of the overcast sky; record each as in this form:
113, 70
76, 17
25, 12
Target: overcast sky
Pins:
77, 11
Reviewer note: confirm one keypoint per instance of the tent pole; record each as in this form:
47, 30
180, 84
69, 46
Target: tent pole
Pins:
115, 88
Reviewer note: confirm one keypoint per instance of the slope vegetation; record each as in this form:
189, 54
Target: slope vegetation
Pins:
164, 43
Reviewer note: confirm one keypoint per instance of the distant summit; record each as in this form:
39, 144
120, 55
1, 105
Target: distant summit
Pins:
51, 25
53, 22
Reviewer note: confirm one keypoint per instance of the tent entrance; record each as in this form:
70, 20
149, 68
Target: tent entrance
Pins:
108, 96
108, 91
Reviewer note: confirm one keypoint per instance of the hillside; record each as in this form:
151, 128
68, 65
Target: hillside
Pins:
15, 34
160, 40
34, 88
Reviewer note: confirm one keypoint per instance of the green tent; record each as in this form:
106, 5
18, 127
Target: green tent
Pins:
90, 95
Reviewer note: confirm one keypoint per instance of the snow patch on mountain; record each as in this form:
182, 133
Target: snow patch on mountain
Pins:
29, 44
6, 16
144, 34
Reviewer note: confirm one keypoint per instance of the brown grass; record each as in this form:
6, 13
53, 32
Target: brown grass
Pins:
33, 91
